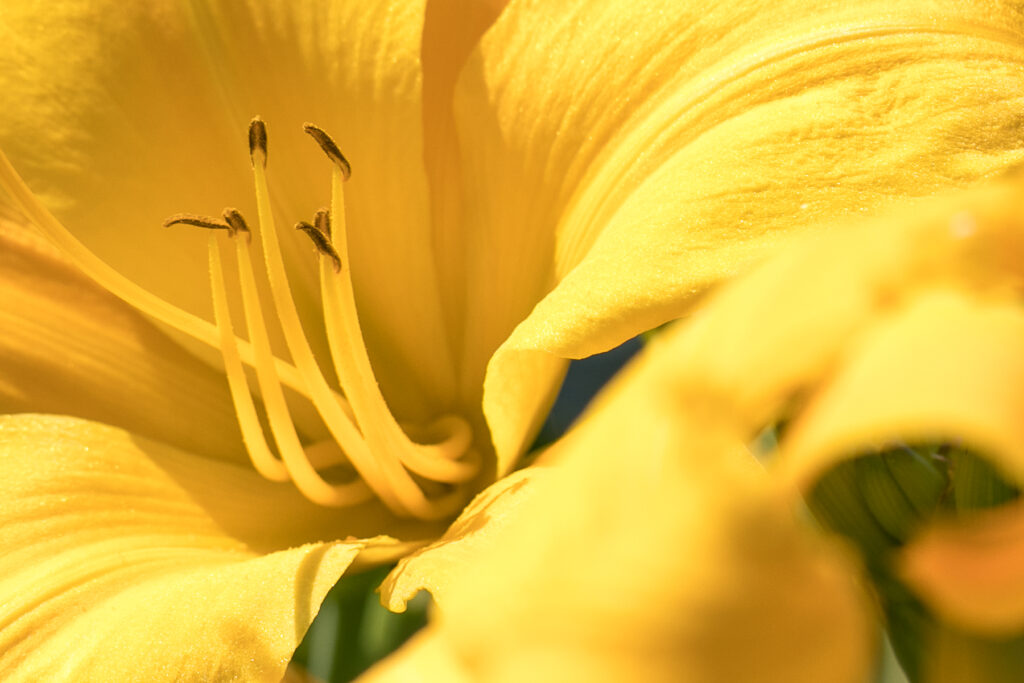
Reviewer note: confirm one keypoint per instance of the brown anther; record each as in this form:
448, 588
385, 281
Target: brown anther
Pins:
330, 148
322, 222
197, 221
236, 223
258, 142
321, 242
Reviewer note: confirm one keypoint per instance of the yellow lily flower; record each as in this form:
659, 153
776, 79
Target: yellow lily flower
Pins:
572, 177
653, 546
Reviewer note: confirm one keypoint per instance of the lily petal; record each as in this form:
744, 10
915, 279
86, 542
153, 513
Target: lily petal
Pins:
919, 341
69, 347
428, 657
822, 295
446, 562
650, 547
643, 152
126, 559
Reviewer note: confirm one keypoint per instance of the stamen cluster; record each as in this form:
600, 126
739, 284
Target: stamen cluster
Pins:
364, 433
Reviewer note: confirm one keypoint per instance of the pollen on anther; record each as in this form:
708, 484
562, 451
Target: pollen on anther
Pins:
258, 142
236, 223
322, 222
197, 221
321, 242
330, 148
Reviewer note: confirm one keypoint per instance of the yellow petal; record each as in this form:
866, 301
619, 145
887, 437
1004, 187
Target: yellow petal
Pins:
909, 329
764, 344
126, 116
643, 151
651, 547
446, 562
428, 657
972, 572
71, 348
128, 560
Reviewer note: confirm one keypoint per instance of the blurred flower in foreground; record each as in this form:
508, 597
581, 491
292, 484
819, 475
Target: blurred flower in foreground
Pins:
572, 177
650, 545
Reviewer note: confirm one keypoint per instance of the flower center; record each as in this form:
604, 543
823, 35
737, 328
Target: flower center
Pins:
423, 480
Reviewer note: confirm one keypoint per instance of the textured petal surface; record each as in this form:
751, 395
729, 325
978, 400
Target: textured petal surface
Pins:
644, 151
71, 348
650, 547
127, 115
128, 560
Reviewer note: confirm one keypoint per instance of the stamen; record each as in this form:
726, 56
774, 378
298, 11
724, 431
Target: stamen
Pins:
438, 462
234, 219
116, 283
384, 475
252, 433
296, 462
258, 142
330, 148
356, 374
197, 221
380, 450
383, 454
321, 242
322, 221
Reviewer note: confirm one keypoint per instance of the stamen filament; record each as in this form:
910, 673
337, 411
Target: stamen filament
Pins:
116, 283
383, 473
252, 433
298, 466
356, 375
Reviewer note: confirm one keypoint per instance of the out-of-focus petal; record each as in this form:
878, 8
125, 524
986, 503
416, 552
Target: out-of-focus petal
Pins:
766, 343
945, 368
909, 330
125, 559
650, 546
427, 658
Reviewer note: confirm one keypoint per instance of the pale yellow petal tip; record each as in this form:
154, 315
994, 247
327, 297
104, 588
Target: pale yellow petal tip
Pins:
945, 368
384, 550
972, 572
426, 658
439, 565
